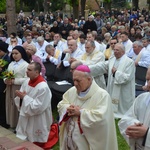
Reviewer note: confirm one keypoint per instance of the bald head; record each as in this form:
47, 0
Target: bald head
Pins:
72, 45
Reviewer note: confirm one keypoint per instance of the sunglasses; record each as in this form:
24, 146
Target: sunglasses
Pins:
113, 43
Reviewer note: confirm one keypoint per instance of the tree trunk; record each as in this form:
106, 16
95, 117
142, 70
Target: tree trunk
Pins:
37, 6
107, 5
82, 3
21, 4
75, 6
135, 4
46, 5
11, 16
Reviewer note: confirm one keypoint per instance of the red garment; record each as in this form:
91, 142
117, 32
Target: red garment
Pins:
52, 139
37, 80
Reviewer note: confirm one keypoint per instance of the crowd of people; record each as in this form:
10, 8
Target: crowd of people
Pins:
102, 53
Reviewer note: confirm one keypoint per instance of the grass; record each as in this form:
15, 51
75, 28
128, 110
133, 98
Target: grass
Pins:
122, 145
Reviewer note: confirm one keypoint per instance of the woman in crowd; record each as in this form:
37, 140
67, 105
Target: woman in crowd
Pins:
132, 33
18, 66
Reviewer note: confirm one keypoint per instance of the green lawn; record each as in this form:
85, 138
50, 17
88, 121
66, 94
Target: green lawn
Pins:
121, 142
122, 145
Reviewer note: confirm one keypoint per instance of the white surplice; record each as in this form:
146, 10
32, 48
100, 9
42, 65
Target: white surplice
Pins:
139, 112
35, 116
91, 59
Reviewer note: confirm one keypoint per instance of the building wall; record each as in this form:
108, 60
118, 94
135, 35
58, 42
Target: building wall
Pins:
92, 5
143, 4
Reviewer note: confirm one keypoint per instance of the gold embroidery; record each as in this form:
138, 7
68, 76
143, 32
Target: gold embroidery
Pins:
108, 53
115, 101
57, 54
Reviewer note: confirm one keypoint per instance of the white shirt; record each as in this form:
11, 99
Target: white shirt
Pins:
41, 50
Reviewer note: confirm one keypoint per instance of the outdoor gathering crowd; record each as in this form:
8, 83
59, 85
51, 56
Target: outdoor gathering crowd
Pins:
101, 54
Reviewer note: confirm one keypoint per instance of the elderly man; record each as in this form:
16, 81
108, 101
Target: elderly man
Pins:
72, 52
121, 79
65, 28
40, 45
143, 59
134, 126
34, 103
86, 118
137, 47
54, 55
91, 57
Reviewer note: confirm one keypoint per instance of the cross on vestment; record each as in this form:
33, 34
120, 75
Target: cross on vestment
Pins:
38, 132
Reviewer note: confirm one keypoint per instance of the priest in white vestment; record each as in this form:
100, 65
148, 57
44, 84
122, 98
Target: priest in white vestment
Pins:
34, 103
121, 79
72, 52
134, 126
86, 116
91, 57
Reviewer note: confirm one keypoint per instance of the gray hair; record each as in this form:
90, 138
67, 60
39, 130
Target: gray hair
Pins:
40, 39
49, 46
76, 31
146, 38
88, 74
94, 33
147, 30
107, 34
33, 47
139, 43
121, 46
92, 43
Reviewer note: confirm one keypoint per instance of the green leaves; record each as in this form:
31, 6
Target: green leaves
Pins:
2, 5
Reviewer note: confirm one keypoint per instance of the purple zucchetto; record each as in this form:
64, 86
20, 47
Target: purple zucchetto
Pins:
83, 68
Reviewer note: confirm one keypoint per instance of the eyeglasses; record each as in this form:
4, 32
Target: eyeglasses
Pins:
112, 43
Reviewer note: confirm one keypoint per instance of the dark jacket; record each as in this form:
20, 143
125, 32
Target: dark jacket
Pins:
2, 84
65, 28
89, 25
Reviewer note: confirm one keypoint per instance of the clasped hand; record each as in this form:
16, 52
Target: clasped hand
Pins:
73, 110
21, 95
137, 130
9, 81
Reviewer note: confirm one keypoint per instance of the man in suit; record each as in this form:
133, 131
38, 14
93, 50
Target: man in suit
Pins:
65, 28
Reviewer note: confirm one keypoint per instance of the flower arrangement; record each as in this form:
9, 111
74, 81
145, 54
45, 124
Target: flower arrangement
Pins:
7, 74
3, 62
